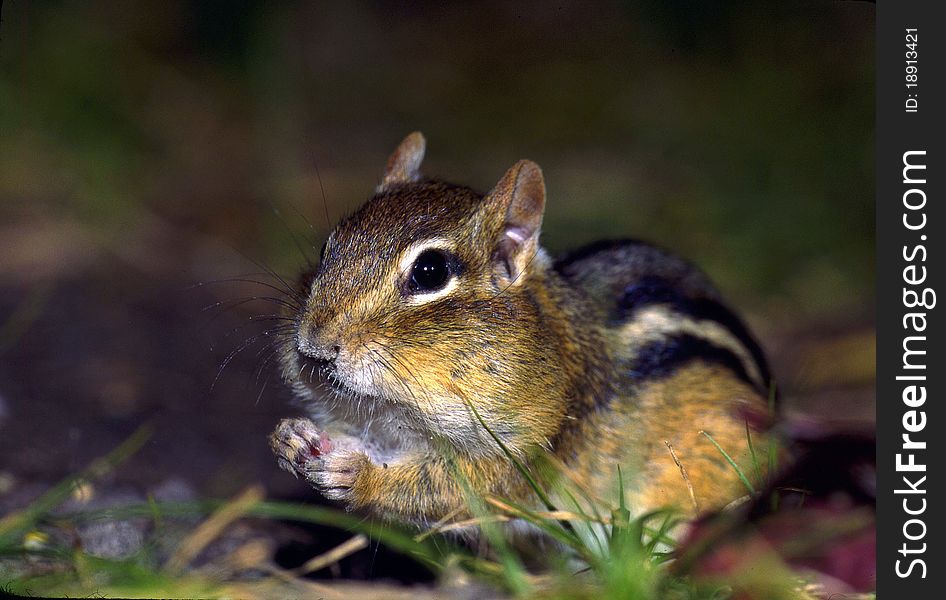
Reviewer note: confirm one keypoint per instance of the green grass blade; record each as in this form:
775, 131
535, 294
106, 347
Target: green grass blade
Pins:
773, 448
515, 461
732, 463
521, 468
756, 467
16, 524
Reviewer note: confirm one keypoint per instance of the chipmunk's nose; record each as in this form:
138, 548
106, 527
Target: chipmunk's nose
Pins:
313, 346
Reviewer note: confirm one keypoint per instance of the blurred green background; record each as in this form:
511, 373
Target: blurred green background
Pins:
146, 146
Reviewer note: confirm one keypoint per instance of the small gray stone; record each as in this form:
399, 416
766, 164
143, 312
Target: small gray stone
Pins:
111, 539
114, 539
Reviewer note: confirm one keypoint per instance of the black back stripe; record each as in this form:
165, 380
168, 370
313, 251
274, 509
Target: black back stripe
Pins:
660, 359
650, 291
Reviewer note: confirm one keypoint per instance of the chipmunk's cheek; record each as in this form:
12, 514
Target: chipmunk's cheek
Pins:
357, 374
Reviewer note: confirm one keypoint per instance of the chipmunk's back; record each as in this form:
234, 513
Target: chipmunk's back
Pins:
686, 365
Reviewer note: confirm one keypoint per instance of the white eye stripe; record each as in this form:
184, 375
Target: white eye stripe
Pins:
423, 298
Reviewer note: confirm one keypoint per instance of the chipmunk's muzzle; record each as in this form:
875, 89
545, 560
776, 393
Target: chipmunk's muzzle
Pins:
331, 364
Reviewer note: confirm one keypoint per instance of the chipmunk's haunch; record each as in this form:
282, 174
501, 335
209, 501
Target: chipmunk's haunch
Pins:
434, 306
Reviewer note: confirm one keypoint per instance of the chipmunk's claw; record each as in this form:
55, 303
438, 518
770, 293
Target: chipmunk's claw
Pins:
299, 446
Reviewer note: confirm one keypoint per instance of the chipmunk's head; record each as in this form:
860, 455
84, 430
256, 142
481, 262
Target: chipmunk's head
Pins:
429, 302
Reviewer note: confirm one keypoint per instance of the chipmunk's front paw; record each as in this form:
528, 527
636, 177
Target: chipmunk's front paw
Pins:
338, 475
298, 446
332, 466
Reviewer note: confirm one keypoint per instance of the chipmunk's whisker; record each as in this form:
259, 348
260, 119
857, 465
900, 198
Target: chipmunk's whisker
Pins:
297, 300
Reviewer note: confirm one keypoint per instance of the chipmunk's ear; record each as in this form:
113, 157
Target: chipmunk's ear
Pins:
404, 163
517, 201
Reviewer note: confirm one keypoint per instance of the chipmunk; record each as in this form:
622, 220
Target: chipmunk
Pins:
436, 341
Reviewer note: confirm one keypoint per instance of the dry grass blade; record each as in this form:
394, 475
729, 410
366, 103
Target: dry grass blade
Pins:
457, 525
212, 527
556, 515
334, 555
683, 472
438, 526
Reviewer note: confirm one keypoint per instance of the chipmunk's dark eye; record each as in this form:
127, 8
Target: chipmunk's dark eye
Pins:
431, 271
